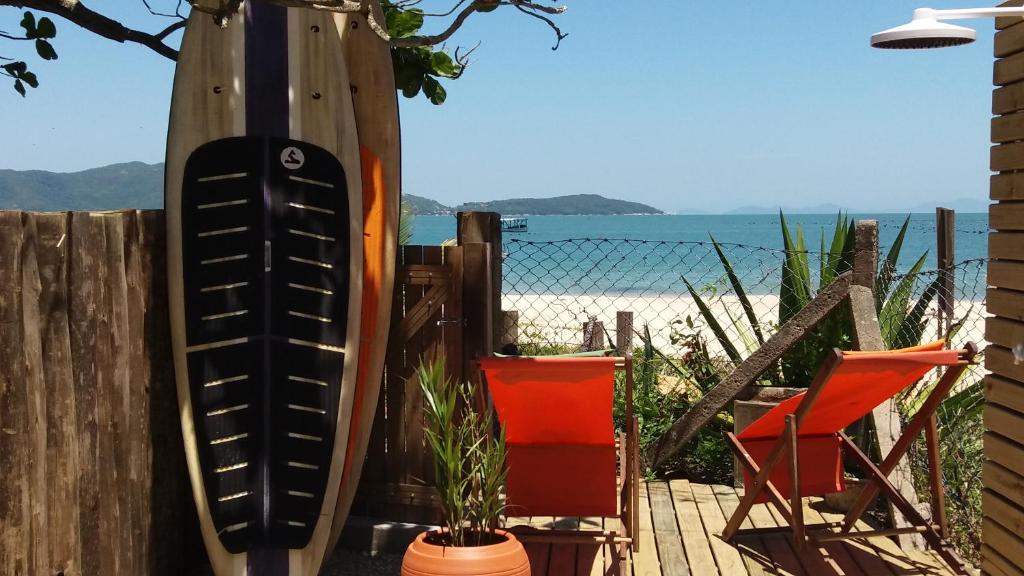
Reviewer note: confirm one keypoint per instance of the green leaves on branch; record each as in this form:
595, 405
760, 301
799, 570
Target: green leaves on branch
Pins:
417, 68
40, 32
19, 71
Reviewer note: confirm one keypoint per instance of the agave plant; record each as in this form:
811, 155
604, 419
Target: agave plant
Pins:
469, 461
902, 325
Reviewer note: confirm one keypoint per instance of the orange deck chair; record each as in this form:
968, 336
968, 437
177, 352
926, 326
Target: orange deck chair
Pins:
561, 442
795, 449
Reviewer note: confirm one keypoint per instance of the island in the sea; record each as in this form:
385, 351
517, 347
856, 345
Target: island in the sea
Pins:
559, 205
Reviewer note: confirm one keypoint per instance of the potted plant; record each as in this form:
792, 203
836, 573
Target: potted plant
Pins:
469, 461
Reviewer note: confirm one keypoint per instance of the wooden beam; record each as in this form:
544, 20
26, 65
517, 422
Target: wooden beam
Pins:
717, 399
867, 335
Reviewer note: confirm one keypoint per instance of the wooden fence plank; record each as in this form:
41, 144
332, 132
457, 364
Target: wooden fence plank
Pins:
1006, 216
1008, 70
1005, 303
1006, 274
1008, 41
1006, 245
1004, 392
1006, 422
995, 563
1002, 361
61, 453
35, 389
1008, 99
1004, 332
1004, 452
87, 241
14, 487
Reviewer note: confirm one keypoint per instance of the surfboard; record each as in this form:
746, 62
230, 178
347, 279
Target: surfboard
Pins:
265, 272
375, 98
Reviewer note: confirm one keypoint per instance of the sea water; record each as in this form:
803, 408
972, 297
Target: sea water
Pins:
658, 262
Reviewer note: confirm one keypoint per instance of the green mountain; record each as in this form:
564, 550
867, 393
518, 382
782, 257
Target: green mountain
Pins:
425, 206
561, 205
139, 185
128, 185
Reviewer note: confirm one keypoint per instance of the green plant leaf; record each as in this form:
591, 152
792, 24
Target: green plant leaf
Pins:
912, 327
888, 268
403, 23
28, 22
45, 50
433, 90
45, 28
737, 287
709, 317
30, 79
443, 65
894, 311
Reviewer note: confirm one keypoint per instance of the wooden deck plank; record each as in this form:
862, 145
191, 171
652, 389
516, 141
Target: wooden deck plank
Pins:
835, 553
812, 558
931, 563
696, 543
645, 560
727, 558
779, 547
590, 558
666, 531
539, 552
871, 558
752, 548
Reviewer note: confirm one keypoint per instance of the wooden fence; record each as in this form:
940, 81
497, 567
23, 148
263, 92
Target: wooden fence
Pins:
92, 470
1002, 546
92, 476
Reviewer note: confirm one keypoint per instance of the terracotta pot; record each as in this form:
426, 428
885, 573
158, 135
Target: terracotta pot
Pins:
506, 558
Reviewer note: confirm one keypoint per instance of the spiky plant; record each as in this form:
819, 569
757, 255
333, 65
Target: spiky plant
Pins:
469, 462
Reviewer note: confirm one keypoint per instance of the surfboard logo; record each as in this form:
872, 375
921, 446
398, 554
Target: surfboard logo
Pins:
292, 158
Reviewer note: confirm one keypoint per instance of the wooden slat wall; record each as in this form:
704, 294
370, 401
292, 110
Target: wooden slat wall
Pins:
92, 474
1003, 476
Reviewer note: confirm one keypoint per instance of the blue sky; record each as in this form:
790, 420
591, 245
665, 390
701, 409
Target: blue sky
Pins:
682, 105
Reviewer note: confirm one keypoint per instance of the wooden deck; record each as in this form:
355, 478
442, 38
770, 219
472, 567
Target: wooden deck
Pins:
680, 525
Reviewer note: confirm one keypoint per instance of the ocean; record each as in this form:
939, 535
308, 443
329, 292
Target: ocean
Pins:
651, 255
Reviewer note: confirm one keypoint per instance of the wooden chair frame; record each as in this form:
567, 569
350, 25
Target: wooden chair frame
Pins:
934, 532
628, 444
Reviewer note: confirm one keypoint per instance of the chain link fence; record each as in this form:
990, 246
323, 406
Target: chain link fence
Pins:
699, 299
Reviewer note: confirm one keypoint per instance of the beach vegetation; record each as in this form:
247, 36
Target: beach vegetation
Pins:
902, 322
469, 456
420, 60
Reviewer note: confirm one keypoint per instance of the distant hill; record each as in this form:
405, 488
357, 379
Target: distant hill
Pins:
139, 185
425, 206
128, 185
560, 205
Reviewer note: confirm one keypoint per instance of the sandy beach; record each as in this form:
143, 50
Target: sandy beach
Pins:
560, 318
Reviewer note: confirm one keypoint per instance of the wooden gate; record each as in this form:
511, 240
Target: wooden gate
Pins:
442, 305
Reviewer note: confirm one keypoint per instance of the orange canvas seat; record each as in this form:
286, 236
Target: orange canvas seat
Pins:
557, 414
796, 449
563, 458
861, 382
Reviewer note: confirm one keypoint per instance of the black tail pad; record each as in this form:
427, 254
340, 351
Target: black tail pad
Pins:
265, 250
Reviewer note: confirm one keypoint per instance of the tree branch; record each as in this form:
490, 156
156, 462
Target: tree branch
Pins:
77, 13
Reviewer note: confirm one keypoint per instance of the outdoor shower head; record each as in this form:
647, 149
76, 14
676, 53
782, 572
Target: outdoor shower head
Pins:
925, 29
924, 32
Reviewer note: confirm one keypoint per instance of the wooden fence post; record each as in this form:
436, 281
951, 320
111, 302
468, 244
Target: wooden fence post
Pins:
623, 333
868, 336
485, 228
945, 240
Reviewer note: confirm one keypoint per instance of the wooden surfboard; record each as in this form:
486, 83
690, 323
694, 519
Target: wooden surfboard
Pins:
376, 112
265, 273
